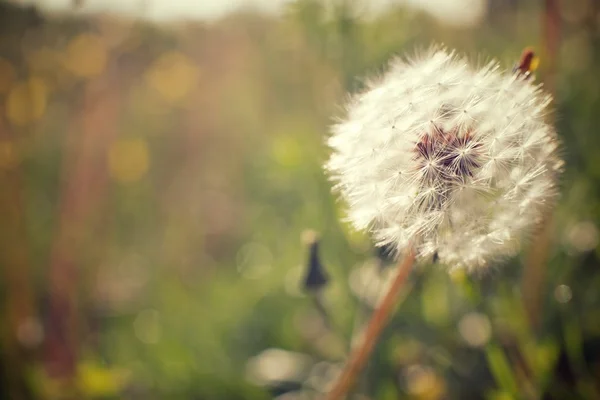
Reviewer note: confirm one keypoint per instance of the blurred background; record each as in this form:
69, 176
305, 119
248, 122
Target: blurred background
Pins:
160, 163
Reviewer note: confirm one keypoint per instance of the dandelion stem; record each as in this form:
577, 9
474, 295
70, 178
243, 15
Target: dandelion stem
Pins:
360, 355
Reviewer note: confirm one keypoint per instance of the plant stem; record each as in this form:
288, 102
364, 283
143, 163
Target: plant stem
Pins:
536, 265
360, 355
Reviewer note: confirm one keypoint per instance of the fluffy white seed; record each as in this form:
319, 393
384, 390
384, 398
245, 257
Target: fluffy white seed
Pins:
453, 160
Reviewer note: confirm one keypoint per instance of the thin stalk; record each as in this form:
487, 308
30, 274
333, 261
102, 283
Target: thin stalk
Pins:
360, 355
535, 267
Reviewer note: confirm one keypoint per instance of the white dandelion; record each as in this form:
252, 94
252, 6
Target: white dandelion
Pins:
452, 160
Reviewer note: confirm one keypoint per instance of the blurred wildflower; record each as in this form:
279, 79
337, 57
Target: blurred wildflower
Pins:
527, 64
316, 276
86, 56
456, 160
26, 101
173, 75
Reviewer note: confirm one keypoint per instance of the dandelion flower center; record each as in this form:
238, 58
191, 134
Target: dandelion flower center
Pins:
446, 160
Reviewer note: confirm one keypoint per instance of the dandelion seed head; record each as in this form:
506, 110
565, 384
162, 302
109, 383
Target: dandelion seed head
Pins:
454, 160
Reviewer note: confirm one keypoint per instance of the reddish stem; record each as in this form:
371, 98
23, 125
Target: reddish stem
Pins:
378, 321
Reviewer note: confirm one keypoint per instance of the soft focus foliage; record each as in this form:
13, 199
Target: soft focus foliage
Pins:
155, 182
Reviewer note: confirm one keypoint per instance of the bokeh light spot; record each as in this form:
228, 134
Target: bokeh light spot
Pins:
26, 101
583, 237
563, 294
173, 76
86, 56
128, 160
424, 383
475, 328
276, 365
